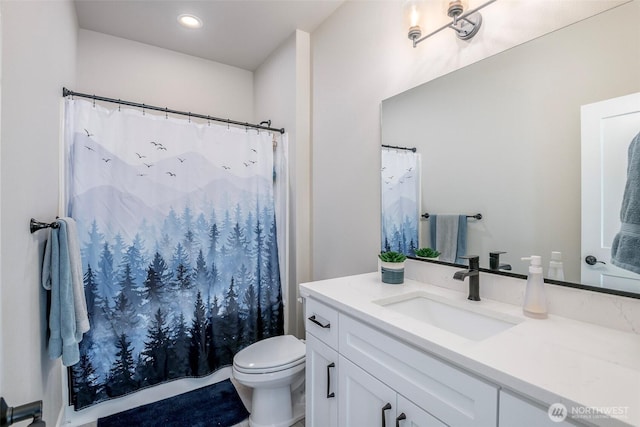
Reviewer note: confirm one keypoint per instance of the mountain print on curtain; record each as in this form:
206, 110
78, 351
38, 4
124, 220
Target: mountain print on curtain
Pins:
178, 234
400, 175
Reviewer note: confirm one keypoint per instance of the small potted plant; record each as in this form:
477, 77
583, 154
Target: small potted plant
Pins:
392, 267
427, 253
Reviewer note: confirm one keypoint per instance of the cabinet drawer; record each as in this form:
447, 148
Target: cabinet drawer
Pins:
322, 321
449, 394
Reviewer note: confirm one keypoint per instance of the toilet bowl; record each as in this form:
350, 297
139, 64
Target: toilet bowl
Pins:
271, 367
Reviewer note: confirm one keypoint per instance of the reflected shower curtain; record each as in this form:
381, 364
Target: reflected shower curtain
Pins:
178, 234
400, 175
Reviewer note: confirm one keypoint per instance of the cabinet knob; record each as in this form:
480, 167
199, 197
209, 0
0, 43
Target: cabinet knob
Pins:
385, 408
400, 417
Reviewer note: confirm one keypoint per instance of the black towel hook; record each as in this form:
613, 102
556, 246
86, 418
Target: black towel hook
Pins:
39, 225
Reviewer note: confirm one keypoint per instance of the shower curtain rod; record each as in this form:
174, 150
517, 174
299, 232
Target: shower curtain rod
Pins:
414, 149
66, 92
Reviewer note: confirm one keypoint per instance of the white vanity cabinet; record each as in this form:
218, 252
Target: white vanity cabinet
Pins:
354, 371
367, 354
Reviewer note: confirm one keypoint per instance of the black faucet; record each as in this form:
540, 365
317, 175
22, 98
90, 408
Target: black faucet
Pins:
494, 261
473, 273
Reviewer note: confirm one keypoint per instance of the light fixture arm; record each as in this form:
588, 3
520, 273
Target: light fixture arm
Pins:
462, 24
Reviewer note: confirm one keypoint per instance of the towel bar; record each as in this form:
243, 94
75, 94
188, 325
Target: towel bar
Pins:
477, 216
38, 225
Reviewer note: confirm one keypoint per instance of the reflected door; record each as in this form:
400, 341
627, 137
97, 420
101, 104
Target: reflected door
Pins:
608, 128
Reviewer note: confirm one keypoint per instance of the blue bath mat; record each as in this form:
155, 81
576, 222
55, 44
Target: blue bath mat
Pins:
215, 405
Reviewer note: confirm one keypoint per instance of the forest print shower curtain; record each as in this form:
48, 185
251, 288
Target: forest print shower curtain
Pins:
177, 227
400, 174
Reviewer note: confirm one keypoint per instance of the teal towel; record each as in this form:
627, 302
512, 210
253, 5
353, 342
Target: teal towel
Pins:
75, 261
625, 250
449, 237
461, 249
57, 277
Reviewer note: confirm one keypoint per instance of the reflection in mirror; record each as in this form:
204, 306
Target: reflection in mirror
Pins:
400, 184
503, 137
610, 186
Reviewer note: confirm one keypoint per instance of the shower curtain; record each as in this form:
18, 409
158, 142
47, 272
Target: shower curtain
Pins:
400, 175
177, 224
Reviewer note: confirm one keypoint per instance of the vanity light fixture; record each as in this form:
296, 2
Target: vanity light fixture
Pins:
190, 21
465, 24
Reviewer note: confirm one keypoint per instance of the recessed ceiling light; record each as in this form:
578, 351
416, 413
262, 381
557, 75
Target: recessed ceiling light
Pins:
190, 21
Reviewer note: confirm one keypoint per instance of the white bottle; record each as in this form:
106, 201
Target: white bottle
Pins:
535, 302
556, 270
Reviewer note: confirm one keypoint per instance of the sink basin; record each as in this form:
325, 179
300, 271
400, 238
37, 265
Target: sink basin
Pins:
463, 319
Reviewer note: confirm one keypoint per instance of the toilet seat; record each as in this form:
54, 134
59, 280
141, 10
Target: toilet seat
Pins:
270, 355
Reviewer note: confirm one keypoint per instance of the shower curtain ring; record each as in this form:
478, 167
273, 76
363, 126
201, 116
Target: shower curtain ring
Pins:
94, 100
119, 105
208, 120
166, 113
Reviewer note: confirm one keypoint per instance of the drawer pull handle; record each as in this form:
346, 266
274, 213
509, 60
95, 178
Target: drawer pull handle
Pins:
385, 408
313, 319
330, 394
401, 417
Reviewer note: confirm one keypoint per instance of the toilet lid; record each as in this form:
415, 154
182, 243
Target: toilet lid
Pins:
271, 353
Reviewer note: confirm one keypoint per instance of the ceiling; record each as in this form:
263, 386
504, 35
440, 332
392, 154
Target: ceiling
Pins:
241, 33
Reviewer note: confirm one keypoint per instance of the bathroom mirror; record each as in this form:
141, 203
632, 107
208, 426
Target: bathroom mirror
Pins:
502, 137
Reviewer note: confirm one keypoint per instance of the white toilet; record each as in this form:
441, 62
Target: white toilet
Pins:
273, 368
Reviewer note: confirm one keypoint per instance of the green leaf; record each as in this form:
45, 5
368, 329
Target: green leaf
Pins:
392, 256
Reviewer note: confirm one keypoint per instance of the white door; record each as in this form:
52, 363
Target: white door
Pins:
607, 129
364, 401
321, 384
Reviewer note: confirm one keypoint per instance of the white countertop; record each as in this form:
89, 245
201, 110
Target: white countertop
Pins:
555, 360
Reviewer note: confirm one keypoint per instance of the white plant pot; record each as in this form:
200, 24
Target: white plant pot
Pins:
392, 272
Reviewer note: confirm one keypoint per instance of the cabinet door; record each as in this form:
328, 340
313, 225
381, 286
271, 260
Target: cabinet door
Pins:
364, 401
516, 411
321, 384
409, 414
450, 394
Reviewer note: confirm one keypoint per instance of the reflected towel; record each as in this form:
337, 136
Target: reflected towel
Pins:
449, 236
625, 250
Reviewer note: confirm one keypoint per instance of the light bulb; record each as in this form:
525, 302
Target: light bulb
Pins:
190, 21
415, 15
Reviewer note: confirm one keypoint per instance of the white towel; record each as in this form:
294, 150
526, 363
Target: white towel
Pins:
79, 300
